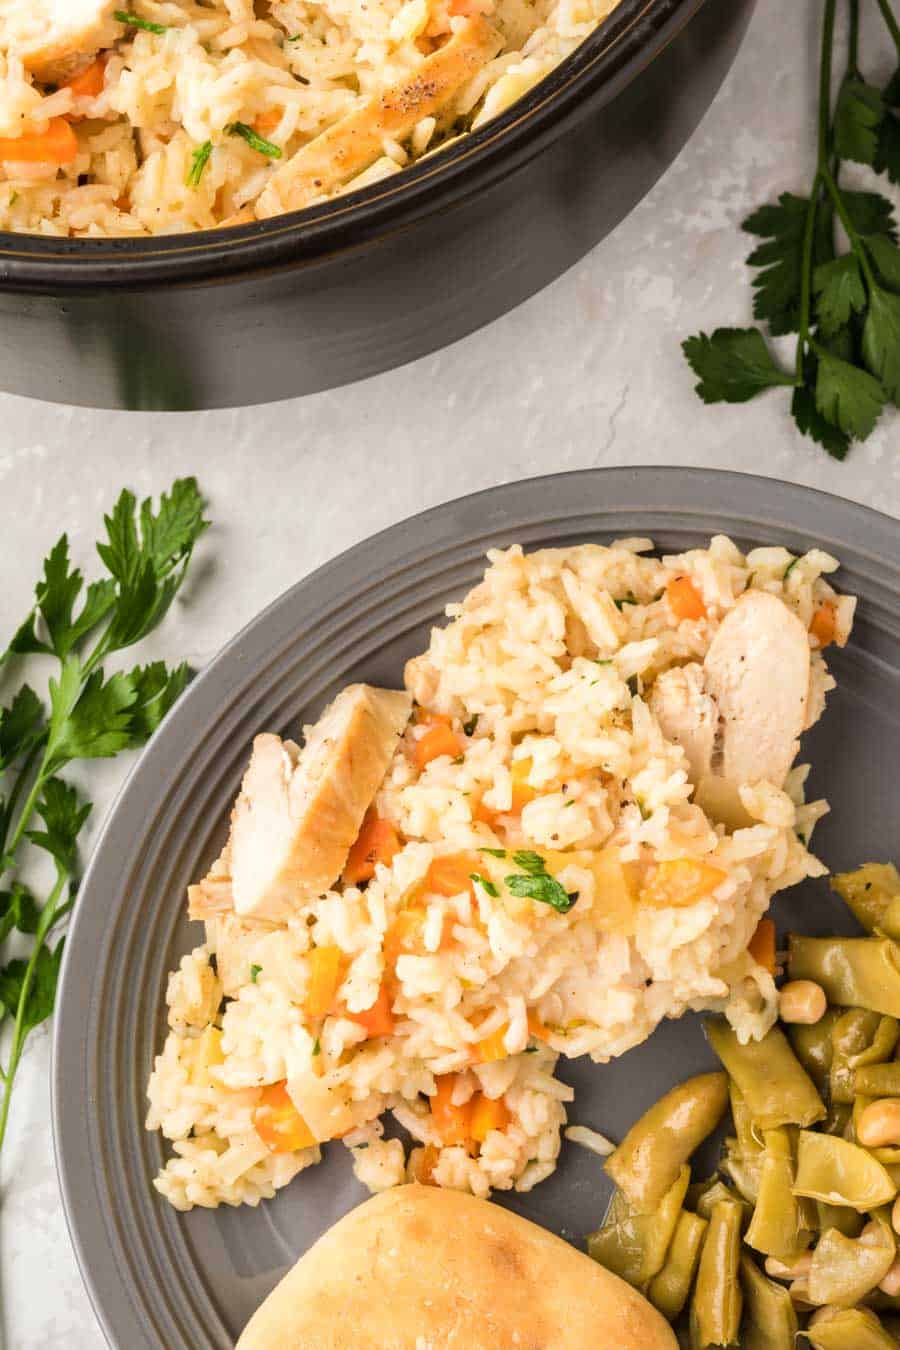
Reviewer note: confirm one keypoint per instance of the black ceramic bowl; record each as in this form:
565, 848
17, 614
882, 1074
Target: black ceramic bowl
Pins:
317, 298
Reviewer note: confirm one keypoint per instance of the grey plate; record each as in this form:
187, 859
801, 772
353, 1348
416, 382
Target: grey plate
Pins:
160, 1279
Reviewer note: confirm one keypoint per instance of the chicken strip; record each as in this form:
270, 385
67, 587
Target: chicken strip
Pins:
52, 38
687, 715
299, 811
357, 140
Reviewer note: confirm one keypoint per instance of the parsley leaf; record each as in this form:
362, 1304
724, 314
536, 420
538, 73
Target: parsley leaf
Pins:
63, 815
887, 157
870, 213
199, 161
734, 365
881, 340
543, 888
254, 973
494, 852
778, 284
42, 995
848, 397
839, 287
811, 422
91, 722
530, 862
18, 909
21, 725
886, 257
156, 690
857, 118
255, 141
469, 727
485, 884
135, 21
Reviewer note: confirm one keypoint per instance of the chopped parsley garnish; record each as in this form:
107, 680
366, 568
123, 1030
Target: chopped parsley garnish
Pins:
571, 802
628, 599
469, 727
258, 143
607, 660
317, 1048
254, 971
633, 687
789, 569
459, 759
827, 268
530, 1050
485, 884
13, 199
135, 21
199, 161
494, 852
534, 882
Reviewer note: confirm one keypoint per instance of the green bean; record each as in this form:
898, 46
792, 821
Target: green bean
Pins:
670, 1288
774, 1085
837, 1118
868, 892
878, 1080
848, 1329
717, 1301
845, 1269
634, 1245
749, 1136
853, 1034
812, 1046
647, 1162
743, 1168
840, 1173
770, 1322
780, 1226
847, 1221
712, 1193
854, 972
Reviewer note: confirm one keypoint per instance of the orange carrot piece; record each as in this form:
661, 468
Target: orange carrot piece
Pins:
88, 83
278, 1122
453, 1123
451, 874
492, 1047
762, 945
57, 145
488, 1114
685, 601
681, 881
824, 624
377, 842
422, 1164
377, 1020
267, 121
324, 977
439, 740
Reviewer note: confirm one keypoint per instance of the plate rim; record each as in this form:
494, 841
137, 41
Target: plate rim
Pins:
678, 492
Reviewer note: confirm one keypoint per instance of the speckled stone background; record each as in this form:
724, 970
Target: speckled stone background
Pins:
589, 372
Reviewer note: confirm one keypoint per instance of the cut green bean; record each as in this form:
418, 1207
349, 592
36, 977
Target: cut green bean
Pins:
848, 1329
812, 1046
845, 1269
669, 1289
854, 972
744, 1169
847, 1221
853, 1034
770, 1321
772, 1081
878, 1080
781, 1224
868, 892
712, 1193
632, 1245
717, 1301
840, 1173
647, 1162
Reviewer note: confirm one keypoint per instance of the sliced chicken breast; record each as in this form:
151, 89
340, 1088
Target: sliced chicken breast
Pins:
299, 811
687, 715
757, 670
52, 38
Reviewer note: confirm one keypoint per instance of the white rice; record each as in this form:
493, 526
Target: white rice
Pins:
288, 75
535, 664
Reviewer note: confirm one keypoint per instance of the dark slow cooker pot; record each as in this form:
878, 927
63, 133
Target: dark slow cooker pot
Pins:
361, 284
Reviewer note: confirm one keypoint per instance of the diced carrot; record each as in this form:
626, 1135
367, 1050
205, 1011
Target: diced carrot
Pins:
492, 1047
88, 83
522, 791
453, 1123
278, 1122
685, 601
537, 1029
404, 934
438, 741
267, 121
485, 814
451, 874
377, 842
379, 1019
324, 977
488, 1114
422, 1164
762, 945
681, 881
57, 145
824, 624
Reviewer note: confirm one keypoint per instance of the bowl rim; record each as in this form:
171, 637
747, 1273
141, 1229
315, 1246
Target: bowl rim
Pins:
615, 54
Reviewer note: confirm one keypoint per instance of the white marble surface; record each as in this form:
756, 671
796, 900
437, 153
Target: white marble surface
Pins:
589, 372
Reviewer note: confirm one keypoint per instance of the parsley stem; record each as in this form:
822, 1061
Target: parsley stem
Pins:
825, 84
46, 921
853, 235
853, 40
892, 24
806, 271
15, 792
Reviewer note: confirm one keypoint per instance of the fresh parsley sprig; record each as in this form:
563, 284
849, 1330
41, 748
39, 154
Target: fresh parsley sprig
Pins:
87, 715
843, 306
